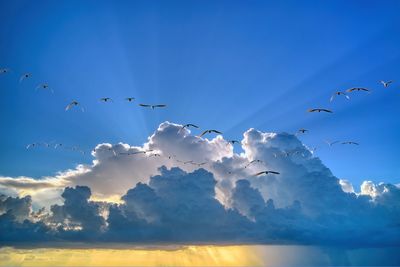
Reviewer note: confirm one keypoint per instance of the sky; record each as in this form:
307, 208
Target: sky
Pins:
229, 66
249, 69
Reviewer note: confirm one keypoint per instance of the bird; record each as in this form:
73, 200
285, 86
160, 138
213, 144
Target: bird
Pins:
31, 145
232, 142
44, 86
253, 161
338, 93
188, 125
350, 143
331, 143
73, 104
320, 110
153, 106
106, 99
358, 89
154, 155
25, 76
129, 99
57, 145
201, 164
386, 84
302, 130
209, 131
266, 172
4, 70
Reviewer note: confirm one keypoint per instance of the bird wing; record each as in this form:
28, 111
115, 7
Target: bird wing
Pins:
326, 110
195, 126
311, 110
69, 106
332, 97
145, 105
203, 133
274, 172
215, 131
259, 173
160, 106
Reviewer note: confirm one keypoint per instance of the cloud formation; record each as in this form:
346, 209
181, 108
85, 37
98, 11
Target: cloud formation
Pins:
186, 189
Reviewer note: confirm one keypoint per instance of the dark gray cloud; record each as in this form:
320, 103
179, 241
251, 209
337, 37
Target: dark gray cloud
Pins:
180, 207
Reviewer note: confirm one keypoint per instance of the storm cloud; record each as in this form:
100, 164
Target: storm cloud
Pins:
186, 189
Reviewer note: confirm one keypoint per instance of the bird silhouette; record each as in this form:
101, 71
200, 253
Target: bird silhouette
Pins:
209, 131
320, 110
153, 106
302, 130
331, 143
358, 89
25, 76
188, 125
266, 172
386, 84
44, 86
106, 99
232, 142
73, 103
252, 162
350, 143
4, 70
129, 99
338, 93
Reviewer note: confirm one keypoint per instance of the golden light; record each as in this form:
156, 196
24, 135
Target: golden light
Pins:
179, 256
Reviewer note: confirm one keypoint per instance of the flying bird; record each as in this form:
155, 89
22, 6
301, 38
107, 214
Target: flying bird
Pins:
57, 145
358, 89
331, 143
44, 86
302, 130
106, 99
350, 143
386, 84
129, 99
320, 110
338, 93
201, 164
266, 172
25, 76
188, 125
252, 162
153, 106
233, 142
209, 131
4, 70
73, 104
31, 145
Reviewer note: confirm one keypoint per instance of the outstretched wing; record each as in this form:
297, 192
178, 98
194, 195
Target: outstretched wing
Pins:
215, 131
145, 105
274, 172
203, 133
160, 106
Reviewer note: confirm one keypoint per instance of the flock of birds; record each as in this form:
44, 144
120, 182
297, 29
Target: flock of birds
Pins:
151, 153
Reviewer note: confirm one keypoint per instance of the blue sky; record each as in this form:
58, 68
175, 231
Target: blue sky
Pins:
229, 65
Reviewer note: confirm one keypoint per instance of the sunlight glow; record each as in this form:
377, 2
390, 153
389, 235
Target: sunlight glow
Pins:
174, 256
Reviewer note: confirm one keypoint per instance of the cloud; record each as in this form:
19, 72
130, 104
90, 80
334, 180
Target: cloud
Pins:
188, 189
